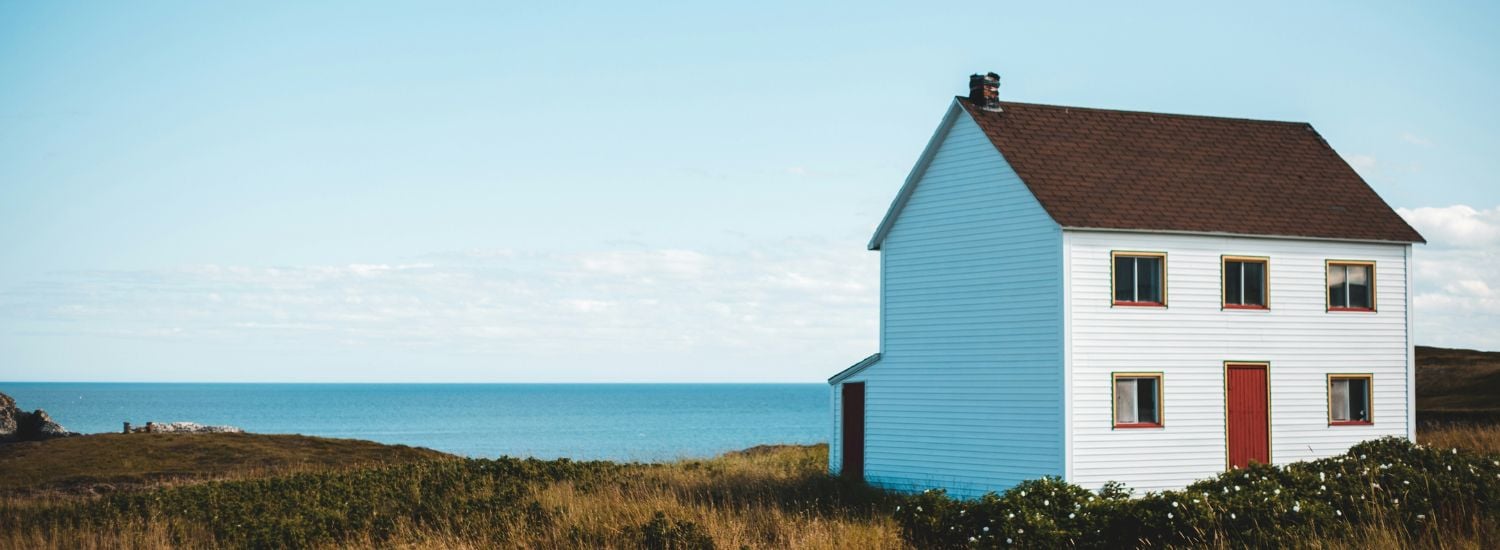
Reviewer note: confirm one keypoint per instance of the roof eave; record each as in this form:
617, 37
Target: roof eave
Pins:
854, 369
1419, 240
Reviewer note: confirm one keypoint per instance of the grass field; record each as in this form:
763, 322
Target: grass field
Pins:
106, 463
773, 497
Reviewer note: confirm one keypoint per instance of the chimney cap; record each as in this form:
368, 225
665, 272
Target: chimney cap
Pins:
984, 91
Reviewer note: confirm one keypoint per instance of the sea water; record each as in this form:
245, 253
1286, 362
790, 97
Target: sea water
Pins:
640, 422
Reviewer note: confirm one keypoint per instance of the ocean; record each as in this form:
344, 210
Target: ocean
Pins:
628, 422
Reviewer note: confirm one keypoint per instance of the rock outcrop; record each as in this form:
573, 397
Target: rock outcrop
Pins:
181, 428
19, 425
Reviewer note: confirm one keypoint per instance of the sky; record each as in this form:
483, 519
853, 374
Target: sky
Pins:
620, 192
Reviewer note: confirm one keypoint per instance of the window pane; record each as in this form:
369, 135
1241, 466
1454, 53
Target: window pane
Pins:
1359, 399
1147, 402
1255, 284
1336, 290
1124, 279
1359, 286
1233, 279
1338, 399
1148, 279
1125, 401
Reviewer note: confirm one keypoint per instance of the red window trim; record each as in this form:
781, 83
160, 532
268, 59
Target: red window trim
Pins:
1353, 309
1245, 306
1140, 304
1350, 423
1139, 425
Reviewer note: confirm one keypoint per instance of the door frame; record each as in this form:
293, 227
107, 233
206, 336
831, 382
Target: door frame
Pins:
844, 389
1266, 367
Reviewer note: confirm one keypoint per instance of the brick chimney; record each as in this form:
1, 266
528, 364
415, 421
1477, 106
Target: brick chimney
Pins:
984, 91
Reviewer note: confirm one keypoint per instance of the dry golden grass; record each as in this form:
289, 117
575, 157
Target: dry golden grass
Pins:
756, 500
1473, 437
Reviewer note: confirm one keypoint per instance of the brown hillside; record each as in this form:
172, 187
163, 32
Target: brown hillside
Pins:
1457, 381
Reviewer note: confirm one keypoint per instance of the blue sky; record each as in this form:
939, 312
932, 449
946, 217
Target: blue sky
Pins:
681, 192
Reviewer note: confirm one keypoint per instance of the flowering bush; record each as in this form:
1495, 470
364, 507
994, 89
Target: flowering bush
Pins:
1390, 481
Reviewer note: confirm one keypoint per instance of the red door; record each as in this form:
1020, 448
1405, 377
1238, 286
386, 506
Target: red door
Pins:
854, 430
1249, 415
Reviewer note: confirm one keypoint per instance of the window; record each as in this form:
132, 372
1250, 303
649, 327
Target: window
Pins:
1349, 399
1351, 286
1138, 400
1140, 279
1245, 283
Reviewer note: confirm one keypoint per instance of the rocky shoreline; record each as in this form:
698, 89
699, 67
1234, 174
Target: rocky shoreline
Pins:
18, 425
180, 428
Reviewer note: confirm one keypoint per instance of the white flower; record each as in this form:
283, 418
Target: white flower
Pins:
1450, 468
1169, 515
962, 512
1231, 515
1236, 487
1071, 516
986, 529
1046, 502
1020, 530
1322, 487
1023, 493
919, 508
1361, 457
1297, 507
898, 508
1455, 450
1406, 483
1278, 491
1421, 516
972, 539
1174, 504
1320, 477
1010, 515
1338, 512
1007, 540
1395, 501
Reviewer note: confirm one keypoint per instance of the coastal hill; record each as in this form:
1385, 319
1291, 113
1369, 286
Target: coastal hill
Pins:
1458, 384
105, 463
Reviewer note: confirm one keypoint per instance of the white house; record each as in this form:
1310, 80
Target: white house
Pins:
1140, 297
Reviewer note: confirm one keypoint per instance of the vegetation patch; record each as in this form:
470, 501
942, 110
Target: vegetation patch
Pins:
113, 462
1422, 493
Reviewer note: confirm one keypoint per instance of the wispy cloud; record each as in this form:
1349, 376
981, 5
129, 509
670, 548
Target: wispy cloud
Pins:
1364, 164
1415, 139
1457, 277
786, 298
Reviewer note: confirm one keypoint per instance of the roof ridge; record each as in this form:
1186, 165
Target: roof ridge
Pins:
1151, 113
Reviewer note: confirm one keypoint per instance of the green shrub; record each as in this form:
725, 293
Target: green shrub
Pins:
1390, 481
664, 534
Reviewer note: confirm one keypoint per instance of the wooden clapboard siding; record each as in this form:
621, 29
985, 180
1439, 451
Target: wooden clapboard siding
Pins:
967, 395
1191, 339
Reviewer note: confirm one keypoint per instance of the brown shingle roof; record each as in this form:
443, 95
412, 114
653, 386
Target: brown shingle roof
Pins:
1094, 168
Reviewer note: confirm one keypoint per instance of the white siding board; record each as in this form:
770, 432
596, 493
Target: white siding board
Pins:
1190, 340
968, 392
